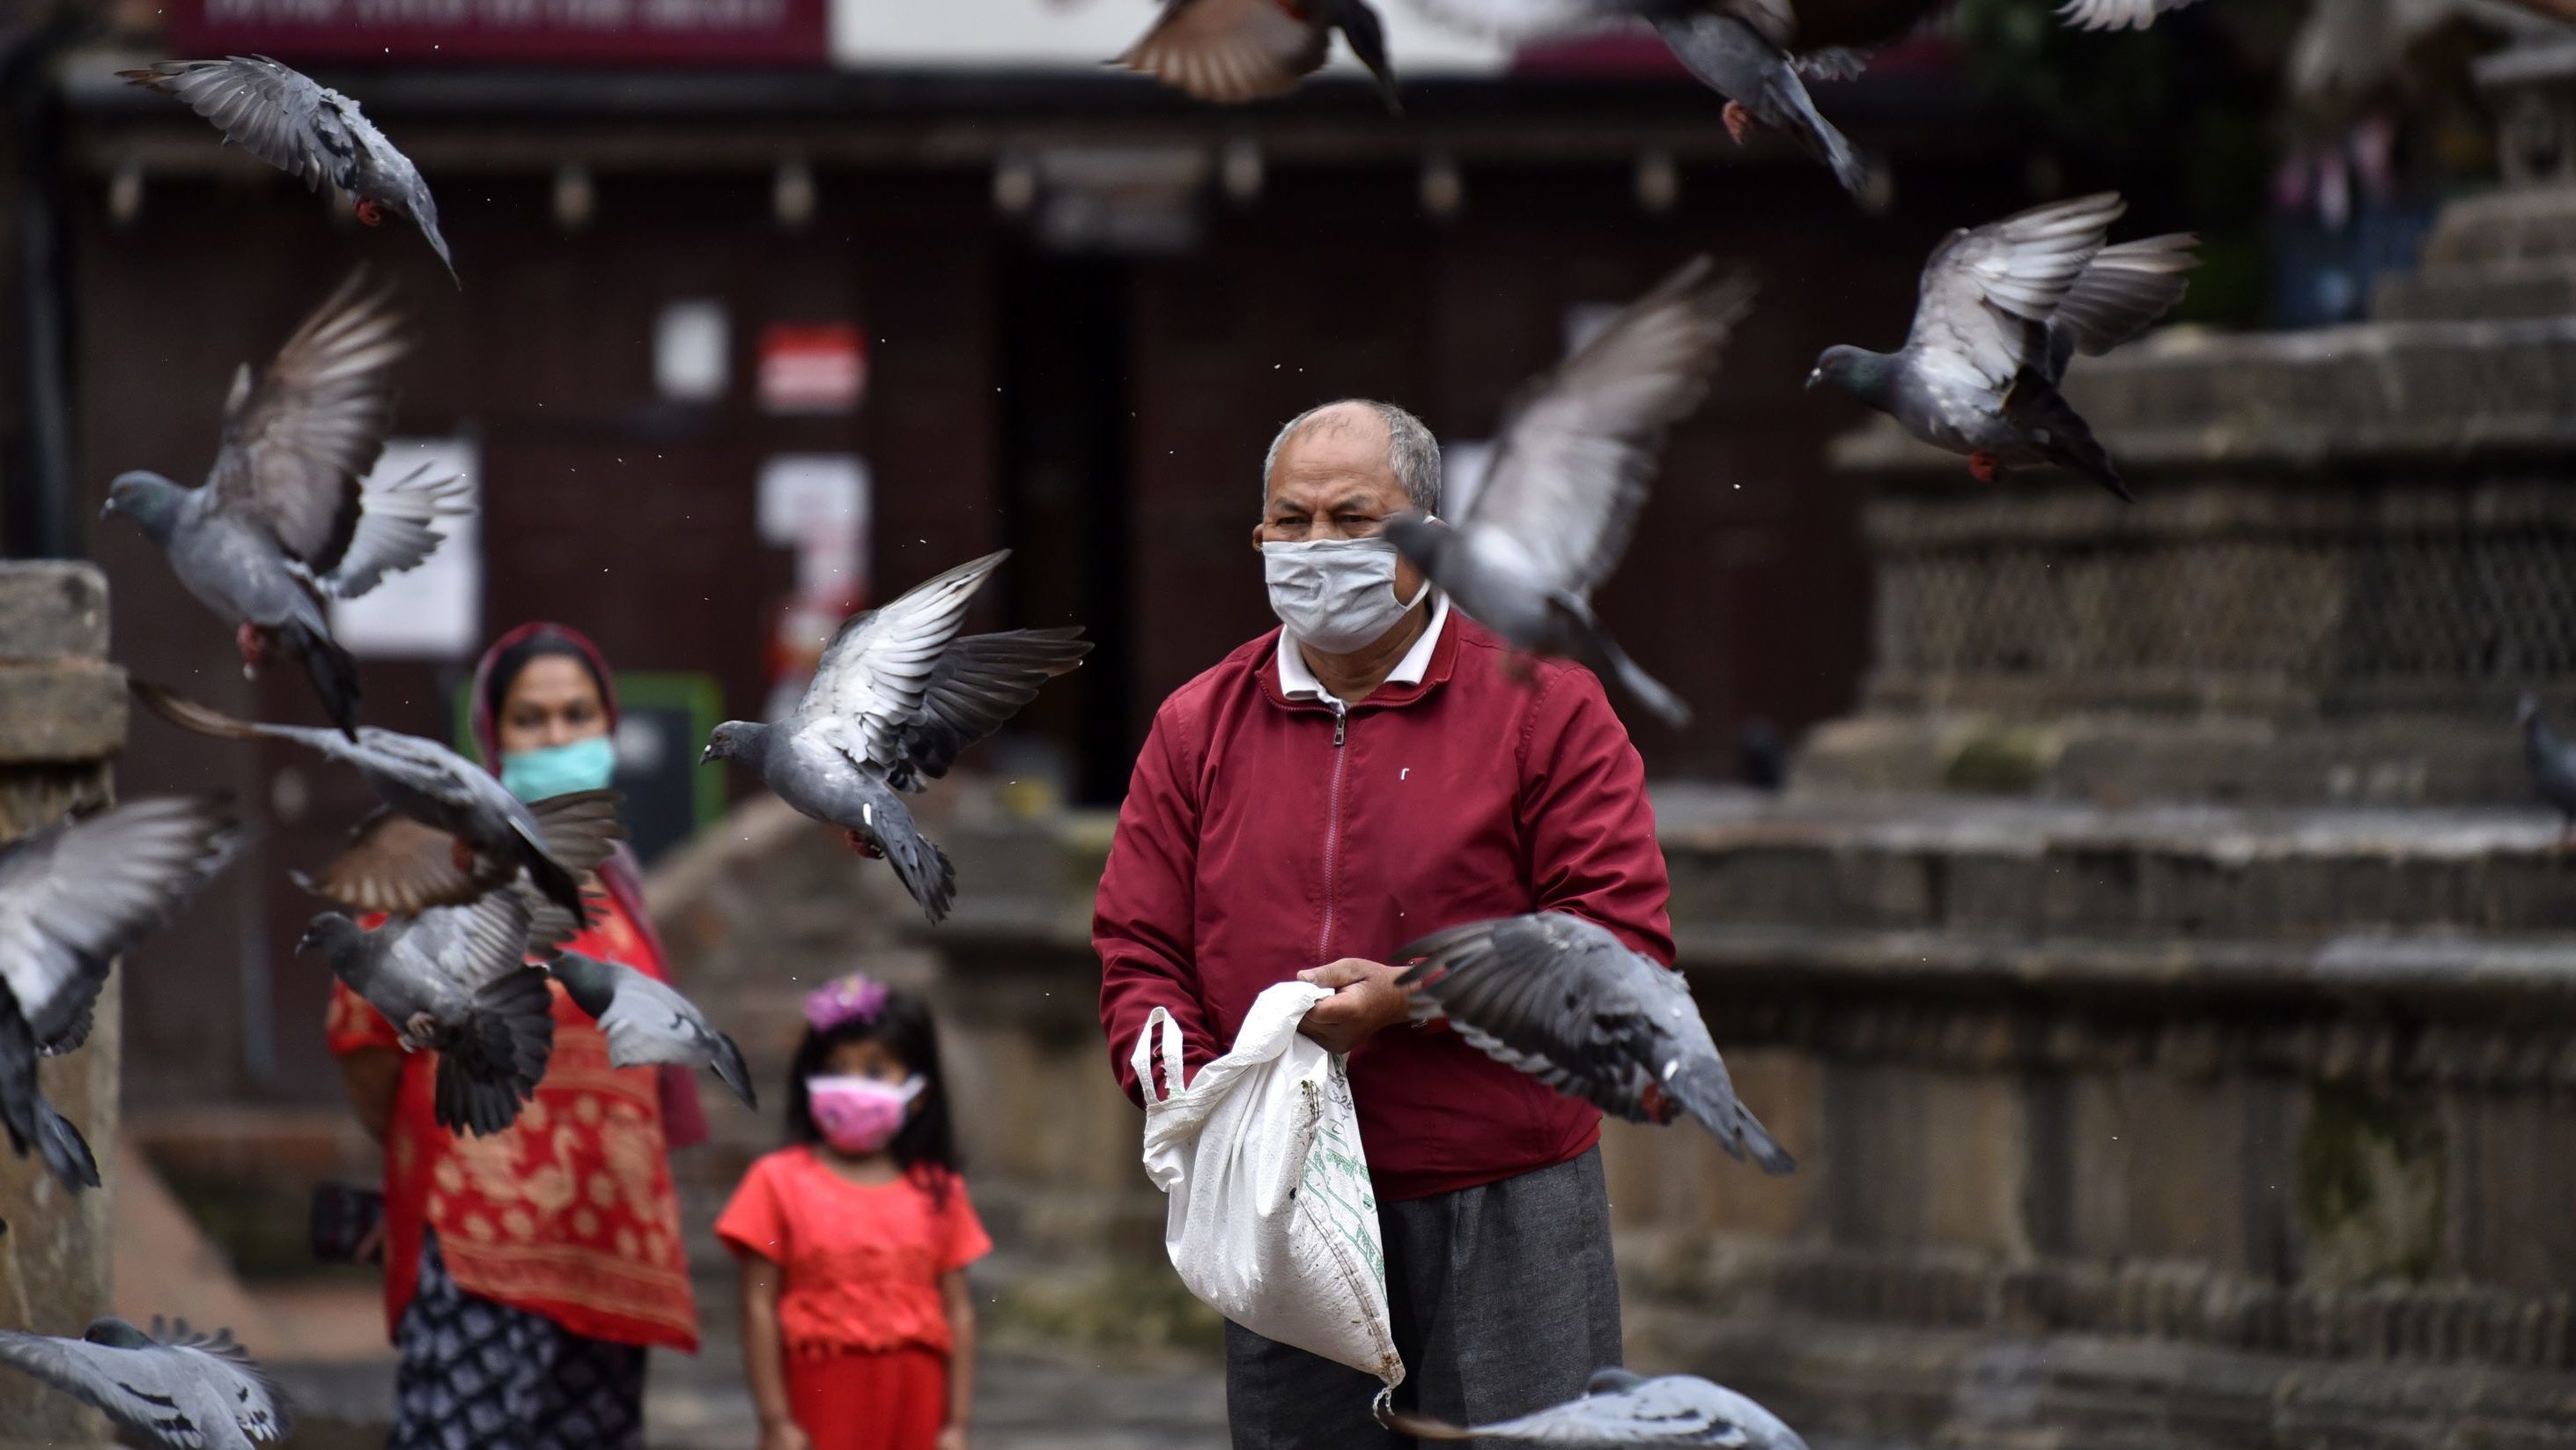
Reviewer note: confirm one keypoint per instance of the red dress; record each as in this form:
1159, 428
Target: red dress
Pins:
859, 1314
569, 1213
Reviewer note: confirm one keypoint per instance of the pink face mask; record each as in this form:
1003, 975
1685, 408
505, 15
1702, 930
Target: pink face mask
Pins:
860, 1114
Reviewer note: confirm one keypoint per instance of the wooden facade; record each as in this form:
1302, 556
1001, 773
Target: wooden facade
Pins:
1104, 414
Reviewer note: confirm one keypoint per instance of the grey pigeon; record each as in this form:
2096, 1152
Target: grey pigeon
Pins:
1569, 475
494, 834
1232, 51
1620, 1411
894, 699
1563, 1000
283, 518
2003, 309
1759, 54
2552, 761
455, 980
649, 1022
176, 1389
305, 129
73, 896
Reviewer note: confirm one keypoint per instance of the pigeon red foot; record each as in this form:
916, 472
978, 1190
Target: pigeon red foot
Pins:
863, 846
369, 212
253, 645
1658, 1104
1739, 122
1984, 468
463, 855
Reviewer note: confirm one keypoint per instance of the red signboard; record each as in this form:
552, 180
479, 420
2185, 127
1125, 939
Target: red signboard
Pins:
613, 32
812, 367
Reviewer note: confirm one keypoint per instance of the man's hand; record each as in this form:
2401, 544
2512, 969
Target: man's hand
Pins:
1365, 998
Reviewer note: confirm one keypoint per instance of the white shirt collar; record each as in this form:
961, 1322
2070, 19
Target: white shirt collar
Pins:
1299, 683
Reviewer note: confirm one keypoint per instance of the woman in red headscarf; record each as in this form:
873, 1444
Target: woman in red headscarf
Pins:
527, 1271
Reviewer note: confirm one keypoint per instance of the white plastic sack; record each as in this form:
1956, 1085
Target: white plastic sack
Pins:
1272, 1221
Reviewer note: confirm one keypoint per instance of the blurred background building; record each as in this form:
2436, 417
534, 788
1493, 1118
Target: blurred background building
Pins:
2102, 822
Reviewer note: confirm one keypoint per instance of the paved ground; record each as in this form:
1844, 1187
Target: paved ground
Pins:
340, 1375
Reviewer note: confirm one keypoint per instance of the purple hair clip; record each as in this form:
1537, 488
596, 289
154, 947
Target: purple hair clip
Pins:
857, 997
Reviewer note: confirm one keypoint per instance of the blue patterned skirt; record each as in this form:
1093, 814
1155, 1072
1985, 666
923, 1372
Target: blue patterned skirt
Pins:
476, 1375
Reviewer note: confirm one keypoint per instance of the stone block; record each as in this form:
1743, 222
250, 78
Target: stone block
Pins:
52, 609
60, 710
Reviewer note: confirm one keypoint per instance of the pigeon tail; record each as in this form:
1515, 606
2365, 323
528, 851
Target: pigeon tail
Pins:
65, 1151
1604, 656
1710, 1099
2049, 423
725, 1061
494, 1060
333, 671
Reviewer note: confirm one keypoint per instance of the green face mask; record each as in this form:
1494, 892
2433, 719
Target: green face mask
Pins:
534, 775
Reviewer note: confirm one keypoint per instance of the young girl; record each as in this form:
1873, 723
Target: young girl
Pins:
856, 1330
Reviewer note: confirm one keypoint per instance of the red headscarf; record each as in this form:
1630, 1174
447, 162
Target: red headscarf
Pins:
684, 1119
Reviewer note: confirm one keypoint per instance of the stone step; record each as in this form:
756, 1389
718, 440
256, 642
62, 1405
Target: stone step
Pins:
2531, 287
2155, 882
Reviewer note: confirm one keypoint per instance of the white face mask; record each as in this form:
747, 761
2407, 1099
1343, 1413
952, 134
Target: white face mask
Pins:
1335, 594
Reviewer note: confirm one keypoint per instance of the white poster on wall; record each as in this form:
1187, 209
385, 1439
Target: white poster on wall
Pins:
434, 612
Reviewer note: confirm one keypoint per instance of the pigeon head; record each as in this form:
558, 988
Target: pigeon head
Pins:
1864, 374
1421, 538
327, 932
147, 498
742, 740
591, 983
115, 1333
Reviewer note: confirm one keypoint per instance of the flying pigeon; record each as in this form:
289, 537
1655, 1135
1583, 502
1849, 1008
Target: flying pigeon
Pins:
283, 518
1759, 54
73, 896
1231, 51
648, 1022
1563, 1000
305, 129
1620, 1411
455, 980
176, 1389
493, 835
2003, 309
2553, 764
894, 699
1569, 475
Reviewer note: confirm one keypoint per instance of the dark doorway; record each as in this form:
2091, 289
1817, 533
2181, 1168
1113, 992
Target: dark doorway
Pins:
1065, 415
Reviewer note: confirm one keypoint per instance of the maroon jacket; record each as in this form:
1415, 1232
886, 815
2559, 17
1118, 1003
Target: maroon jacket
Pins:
1262, 836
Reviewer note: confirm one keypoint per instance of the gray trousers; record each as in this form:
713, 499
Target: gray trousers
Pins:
1505, 1301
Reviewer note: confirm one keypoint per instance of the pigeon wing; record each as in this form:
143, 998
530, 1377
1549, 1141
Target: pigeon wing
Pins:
310, 426
153, 1391
1228, 51
1988, 292
473, 945
1542, 993
396, 865
276, 114
75, 895
218, 1361
979, 682
1571, 471
2116, 14
395, 528
2124, 289
878, 666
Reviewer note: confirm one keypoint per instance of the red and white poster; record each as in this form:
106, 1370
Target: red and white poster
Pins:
812, 367
607, 32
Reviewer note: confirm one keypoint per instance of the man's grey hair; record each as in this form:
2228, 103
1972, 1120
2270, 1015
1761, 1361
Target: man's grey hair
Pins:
1411, 451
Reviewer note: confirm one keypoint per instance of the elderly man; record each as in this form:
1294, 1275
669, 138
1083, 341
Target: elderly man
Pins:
1379, 768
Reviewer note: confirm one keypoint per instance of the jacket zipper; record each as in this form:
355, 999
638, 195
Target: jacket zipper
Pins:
1333, 829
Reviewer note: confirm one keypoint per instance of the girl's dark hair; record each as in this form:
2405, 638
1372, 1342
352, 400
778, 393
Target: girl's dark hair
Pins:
925, 1146
507, 664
